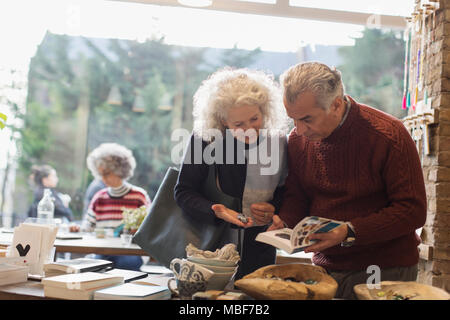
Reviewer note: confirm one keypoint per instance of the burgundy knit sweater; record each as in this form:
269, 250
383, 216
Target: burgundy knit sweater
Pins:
366, 172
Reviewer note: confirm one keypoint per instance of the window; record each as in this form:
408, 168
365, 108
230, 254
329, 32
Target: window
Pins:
111, 71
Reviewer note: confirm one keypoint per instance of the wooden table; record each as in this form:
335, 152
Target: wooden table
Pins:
89, 244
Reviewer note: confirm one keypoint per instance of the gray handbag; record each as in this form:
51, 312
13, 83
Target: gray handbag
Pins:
167, 230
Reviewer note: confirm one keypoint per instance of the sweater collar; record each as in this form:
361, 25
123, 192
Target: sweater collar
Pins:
119, 191
346, 122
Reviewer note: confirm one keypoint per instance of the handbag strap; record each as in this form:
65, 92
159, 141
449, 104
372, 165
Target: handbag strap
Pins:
211, 190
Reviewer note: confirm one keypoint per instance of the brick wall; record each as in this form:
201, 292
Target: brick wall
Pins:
434, 266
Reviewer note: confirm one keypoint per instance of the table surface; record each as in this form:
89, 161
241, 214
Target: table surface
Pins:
89, 244
30, 290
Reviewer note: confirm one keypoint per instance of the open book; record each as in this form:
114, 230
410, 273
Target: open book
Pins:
296, 240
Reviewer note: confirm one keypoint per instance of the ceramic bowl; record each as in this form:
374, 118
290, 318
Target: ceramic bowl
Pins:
189, 271
218, 269
213, 262
219, 281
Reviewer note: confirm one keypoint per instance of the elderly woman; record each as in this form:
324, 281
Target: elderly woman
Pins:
114, 165
241, 111
45, 177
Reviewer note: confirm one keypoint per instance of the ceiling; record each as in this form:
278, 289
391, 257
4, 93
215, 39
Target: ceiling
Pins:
282, 8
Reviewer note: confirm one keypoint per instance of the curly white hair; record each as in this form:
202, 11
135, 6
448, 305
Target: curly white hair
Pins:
113, 158
229, 88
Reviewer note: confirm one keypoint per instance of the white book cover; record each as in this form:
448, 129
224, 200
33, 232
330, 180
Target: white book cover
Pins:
78, 265
128, 275
133, 291
26, 244
154, 280
82, 281
34, 244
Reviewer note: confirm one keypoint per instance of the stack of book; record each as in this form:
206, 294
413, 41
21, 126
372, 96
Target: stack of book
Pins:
78, 286
75, 266
131, 291
10, 274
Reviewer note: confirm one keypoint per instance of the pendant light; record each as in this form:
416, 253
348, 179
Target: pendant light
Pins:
114, 97
166, 103
139, 104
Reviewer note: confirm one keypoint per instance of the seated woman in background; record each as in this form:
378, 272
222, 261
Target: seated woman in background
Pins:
114, 164
45, 177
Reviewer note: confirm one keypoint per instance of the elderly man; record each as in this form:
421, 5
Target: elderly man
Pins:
353, 163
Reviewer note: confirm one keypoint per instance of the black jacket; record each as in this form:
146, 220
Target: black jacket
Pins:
231, 179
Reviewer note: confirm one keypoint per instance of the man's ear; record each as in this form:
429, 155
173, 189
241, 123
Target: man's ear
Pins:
338, 104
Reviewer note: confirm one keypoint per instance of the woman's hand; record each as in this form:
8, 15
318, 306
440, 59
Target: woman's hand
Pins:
262, 212
74, 227
230, 216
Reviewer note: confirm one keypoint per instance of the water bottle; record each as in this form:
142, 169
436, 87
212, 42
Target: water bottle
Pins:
46, 207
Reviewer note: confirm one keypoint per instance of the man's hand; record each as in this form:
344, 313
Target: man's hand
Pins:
277, 223
230, 216
328, 239
262, 212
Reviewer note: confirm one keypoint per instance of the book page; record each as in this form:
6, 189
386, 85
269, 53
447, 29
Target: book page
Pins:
280, 238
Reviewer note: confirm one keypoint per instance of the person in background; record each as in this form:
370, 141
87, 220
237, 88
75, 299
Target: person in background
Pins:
353, 163
45, 177
95, 186
114, 165
232, 102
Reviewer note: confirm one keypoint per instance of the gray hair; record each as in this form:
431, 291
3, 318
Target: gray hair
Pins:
325, 82
228, 88
112, 157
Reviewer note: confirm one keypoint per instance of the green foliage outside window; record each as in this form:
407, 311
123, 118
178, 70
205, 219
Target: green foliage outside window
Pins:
373, 70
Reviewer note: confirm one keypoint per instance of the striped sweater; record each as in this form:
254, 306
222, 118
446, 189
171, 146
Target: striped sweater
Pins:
105, 209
